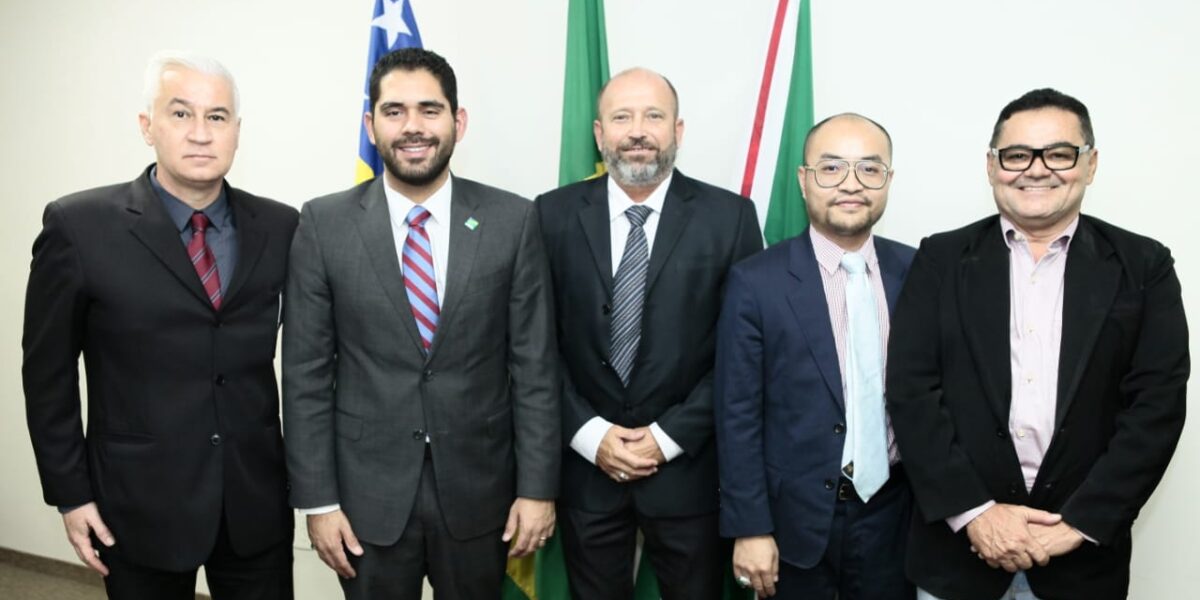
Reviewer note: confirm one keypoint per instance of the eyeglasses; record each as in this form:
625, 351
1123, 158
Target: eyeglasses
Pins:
872, 174
1059, 157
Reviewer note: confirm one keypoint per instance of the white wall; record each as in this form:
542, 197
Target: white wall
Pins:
935, 72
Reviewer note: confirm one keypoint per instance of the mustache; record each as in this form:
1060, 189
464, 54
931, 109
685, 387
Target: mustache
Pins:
414, 139
858, 199
638, 144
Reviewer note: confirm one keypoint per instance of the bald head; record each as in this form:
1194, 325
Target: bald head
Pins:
643, 78
846, 117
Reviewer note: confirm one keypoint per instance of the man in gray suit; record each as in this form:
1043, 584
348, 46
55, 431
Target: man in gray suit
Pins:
419, 360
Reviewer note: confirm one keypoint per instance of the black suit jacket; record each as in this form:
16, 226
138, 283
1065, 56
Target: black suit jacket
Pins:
1122, 380
702, 231
183, 411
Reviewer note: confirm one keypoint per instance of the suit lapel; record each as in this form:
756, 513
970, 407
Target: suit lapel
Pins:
1090, 284
464, 243
251, 239
375, 228
812, 316
152, 226
593, 218
677, 210
983, 304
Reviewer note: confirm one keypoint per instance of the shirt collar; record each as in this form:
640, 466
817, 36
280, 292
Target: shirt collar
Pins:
437, 204
829, 254
1012, 236
218, 213
619, 201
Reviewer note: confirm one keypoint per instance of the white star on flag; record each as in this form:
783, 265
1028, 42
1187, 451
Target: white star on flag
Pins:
392, 21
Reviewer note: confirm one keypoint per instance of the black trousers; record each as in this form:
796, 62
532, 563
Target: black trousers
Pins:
457, 569
865, 556
687, 553
263, 576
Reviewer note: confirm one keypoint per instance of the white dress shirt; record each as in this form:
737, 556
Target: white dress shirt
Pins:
587, 440
437, 226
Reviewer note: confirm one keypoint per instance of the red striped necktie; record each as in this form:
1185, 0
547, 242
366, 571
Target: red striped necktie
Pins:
419, 279
203, 259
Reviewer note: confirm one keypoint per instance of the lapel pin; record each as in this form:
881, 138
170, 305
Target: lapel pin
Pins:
471, 223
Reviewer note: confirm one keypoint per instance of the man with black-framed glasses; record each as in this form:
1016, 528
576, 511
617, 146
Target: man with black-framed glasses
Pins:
1038, 377
811, 485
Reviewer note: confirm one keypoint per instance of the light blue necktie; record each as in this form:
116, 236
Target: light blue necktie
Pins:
866, 440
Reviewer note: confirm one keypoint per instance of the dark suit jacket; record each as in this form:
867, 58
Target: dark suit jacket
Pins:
780, 412
360, 394
1122, 380
702, 231
183, 410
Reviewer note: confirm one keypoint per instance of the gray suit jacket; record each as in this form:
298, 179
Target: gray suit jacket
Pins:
360, 396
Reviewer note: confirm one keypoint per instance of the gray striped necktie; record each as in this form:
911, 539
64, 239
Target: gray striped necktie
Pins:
629, 291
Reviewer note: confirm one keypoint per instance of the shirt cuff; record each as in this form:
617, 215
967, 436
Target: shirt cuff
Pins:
1085, 536
320, 510
587, 440
669, 448
957, 522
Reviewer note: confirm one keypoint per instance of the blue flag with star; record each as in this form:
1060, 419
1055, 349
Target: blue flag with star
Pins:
392, 27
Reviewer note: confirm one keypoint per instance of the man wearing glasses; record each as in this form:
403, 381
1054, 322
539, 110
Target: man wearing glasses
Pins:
1037, 381
811, 484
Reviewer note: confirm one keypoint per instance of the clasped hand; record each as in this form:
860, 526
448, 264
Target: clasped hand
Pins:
1015, 537
629, 454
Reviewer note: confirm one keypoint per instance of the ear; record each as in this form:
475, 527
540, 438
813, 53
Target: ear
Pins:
991, 166
1091, 172
598, 133
679, 132
144, 125
460, 124
802, 179
369, 125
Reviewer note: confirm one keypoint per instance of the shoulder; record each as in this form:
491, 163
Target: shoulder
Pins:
271, 210
898, 250
771, 262
1137, 252
490, 196
340, 201
717, 197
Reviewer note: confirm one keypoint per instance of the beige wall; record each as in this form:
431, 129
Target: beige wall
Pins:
934, 72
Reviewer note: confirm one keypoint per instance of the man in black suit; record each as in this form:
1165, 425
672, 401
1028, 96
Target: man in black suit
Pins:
638, 259
169, 286
1037, 377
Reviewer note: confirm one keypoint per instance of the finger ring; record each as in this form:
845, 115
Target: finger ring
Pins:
622, 475
743, 581
542, 539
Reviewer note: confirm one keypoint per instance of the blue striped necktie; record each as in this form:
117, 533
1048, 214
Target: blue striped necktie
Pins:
419, 279
867, 435
629, 291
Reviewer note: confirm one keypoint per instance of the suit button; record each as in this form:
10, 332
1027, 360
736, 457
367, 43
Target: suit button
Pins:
604, 363
215, 439
839, 429
220, 380
829, 484
1062, 430
1012, 490
428, 374
606, 309
419, 434
216, 324
1000, 433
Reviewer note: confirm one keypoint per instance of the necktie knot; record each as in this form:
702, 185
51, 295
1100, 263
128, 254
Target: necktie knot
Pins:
200, 222
854, 263
417, 217
637, 215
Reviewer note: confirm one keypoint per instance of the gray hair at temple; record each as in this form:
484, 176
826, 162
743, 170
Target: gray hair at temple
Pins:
167, 59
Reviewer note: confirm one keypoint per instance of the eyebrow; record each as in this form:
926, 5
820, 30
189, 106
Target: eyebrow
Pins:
1050, 145
828, 155
216, 109
421, 104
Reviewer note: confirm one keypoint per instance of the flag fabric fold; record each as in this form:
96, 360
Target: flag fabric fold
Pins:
393, 26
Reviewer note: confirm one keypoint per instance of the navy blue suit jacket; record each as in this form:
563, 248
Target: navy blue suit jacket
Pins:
780, 414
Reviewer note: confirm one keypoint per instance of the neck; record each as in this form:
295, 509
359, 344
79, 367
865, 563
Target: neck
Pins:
417, 193
196, 197
1040, 235
638, 194
849, 243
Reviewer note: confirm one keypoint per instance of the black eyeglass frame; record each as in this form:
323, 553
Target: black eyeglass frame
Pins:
1039, 154
851, 166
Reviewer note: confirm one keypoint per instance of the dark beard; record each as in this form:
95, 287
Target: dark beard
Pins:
417, 176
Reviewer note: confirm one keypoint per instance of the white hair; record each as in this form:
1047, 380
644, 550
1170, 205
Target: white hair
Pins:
167, 59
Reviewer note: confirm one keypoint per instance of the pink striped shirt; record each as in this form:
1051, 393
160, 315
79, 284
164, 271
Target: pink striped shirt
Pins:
833, 278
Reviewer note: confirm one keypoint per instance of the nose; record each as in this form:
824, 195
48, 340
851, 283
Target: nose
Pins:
851, 184
200, 132
1038, 167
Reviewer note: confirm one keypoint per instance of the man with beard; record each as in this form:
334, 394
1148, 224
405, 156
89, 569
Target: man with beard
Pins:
811, 485
419, 361
1039, 378
638, 258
